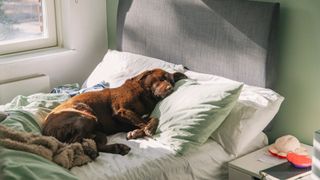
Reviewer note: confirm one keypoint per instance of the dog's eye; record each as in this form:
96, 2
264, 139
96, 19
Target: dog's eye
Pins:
168, 78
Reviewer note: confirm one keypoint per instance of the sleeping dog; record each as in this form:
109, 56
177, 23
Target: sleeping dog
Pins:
112, 110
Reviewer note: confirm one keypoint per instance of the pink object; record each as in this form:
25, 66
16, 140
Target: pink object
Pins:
299, 161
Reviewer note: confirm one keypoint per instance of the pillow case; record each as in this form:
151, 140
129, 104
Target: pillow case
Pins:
192, 112
254, 110
116, 67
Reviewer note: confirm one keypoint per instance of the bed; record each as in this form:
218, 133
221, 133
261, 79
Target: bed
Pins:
234, 39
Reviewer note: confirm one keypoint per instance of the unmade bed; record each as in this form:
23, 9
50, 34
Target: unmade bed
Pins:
225, 39
149, 159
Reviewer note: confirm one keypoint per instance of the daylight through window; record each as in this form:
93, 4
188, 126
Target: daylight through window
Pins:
26, 25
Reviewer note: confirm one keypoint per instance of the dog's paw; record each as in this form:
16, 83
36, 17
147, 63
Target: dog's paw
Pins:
91, 152
148, 132
89, 148
137, 133
122, 149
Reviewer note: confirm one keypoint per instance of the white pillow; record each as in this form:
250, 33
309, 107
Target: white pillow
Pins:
116, 67
189, 115
258, 142
253, 111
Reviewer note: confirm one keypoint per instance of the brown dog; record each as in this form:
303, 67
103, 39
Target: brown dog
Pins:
112, 110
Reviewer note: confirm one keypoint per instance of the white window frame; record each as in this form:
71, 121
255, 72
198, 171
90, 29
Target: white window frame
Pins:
49, 39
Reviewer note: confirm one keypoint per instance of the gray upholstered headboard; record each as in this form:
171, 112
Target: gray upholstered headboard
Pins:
230, 38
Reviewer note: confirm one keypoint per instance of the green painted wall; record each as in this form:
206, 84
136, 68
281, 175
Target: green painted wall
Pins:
299, 67
112, 6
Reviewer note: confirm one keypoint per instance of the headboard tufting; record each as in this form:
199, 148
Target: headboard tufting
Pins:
230, 38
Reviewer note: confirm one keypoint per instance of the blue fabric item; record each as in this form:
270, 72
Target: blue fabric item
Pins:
101, 85
74, 89
70, 89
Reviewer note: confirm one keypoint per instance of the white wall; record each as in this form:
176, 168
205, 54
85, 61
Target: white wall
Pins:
84, 37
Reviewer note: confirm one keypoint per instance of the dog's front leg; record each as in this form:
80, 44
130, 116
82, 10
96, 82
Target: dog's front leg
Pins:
128, 116
151, 127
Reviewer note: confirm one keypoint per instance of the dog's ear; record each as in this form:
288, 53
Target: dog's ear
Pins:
142, 75
178, 76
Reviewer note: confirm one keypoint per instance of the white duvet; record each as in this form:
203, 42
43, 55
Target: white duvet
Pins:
148, 159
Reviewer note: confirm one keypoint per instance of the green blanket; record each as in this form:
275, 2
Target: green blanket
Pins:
27, 114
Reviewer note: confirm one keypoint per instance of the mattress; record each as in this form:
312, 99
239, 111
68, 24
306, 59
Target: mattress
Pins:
148, 159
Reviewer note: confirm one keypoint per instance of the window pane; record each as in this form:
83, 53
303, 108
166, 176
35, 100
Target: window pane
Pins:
21, 20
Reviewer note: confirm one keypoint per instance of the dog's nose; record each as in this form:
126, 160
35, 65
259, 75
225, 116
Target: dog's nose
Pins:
169, 88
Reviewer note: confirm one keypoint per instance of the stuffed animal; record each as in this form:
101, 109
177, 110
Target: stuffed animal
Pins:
65, 155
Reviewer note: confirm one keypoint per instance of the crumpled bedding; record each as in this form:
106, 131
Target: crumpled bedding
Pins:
33, 108
26, 114
148, 159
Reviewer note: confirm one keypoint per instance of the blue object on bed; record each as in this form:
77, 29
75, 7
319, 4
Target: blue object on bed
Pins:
74, 89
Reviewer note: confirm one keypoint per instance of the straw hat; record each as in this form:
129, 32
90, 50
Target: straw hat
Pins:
286, 144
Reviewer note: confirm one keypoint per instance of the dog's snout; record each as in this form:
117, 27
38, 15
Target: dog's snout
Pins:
163, 89
169, 90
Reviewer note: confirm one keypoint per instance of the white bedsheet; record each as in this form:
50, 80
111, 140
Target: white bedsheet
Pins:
148, 159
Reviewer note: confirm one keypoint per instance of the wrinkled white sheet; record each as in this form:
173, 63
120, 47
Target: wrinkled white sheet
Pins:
148, 159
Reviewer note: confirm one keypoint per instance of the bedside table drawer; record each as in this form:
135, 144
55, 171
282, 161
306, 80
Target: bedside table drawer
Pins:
235, 174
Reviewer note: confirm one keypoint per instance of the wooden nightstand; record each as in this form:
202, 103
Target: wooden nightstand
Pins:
248, 167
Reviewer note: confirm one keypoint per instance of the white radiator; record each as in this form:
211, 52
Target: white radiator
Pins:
23, 86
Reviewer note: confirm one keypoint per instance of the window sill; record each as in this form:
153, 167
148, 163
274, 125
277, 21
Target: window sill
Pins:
16, 57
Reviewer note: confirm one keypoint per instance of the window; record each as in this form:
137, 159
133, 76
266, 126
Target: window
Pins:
26, 25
